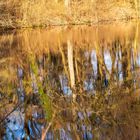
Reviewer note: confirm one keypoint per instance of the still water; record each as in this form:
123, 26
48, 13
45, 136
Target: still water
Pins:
70, 83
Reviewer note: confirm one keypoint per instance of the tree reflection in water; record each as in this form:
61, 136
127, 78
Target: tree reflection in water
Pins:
70, 83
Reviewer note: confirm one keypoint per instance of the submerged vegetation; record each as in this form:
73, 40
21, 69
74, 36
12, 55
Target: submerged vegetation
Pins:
71, 83
30, 13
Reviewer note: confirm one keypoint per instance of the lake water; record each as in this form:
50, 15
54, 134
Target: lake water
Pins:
70, 83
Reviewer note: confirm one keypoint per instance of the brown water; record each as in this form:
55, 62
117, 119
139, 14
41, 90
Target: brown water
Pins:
70, 83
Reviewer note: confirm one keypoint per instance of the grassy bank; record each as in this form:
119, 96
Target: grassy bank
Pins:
30, 13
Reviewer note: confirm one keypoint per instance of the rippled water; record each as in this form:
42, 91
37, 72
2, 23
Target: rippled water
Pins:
70, 83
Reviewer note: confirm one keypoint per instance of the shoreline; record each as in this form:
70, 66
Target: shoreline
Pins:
100, 22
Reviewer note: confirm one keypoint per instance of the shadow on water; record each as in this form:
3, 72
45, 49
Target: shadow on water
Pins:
70, 83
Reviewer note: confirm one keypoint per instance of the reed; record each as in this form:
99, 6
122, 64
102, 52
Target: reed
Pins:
32, 13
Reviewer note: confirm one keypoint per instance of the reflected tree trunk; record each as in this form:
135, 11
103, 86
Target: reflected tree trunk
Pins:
136, 39
72, 80
71, 63
71, 66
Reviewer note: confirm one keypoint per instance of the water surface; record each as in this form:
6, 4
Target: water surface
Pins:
70, 83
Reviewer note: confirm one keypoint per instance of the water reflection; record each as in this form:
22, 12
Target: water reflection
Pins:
79, 82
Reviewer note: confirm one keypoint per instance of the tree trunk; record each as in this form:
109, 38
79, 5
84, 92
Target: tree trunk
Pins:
56, 1
67, 3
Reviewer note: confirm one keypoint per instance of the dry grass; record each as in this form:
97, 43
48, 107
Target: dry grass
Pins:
29, 13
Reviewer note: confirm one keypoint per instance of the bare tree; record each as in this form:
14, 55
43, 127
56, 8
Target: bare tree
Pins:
67, 3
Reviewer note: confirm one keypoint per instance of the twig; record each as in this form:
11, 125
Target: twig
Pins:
47, 129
